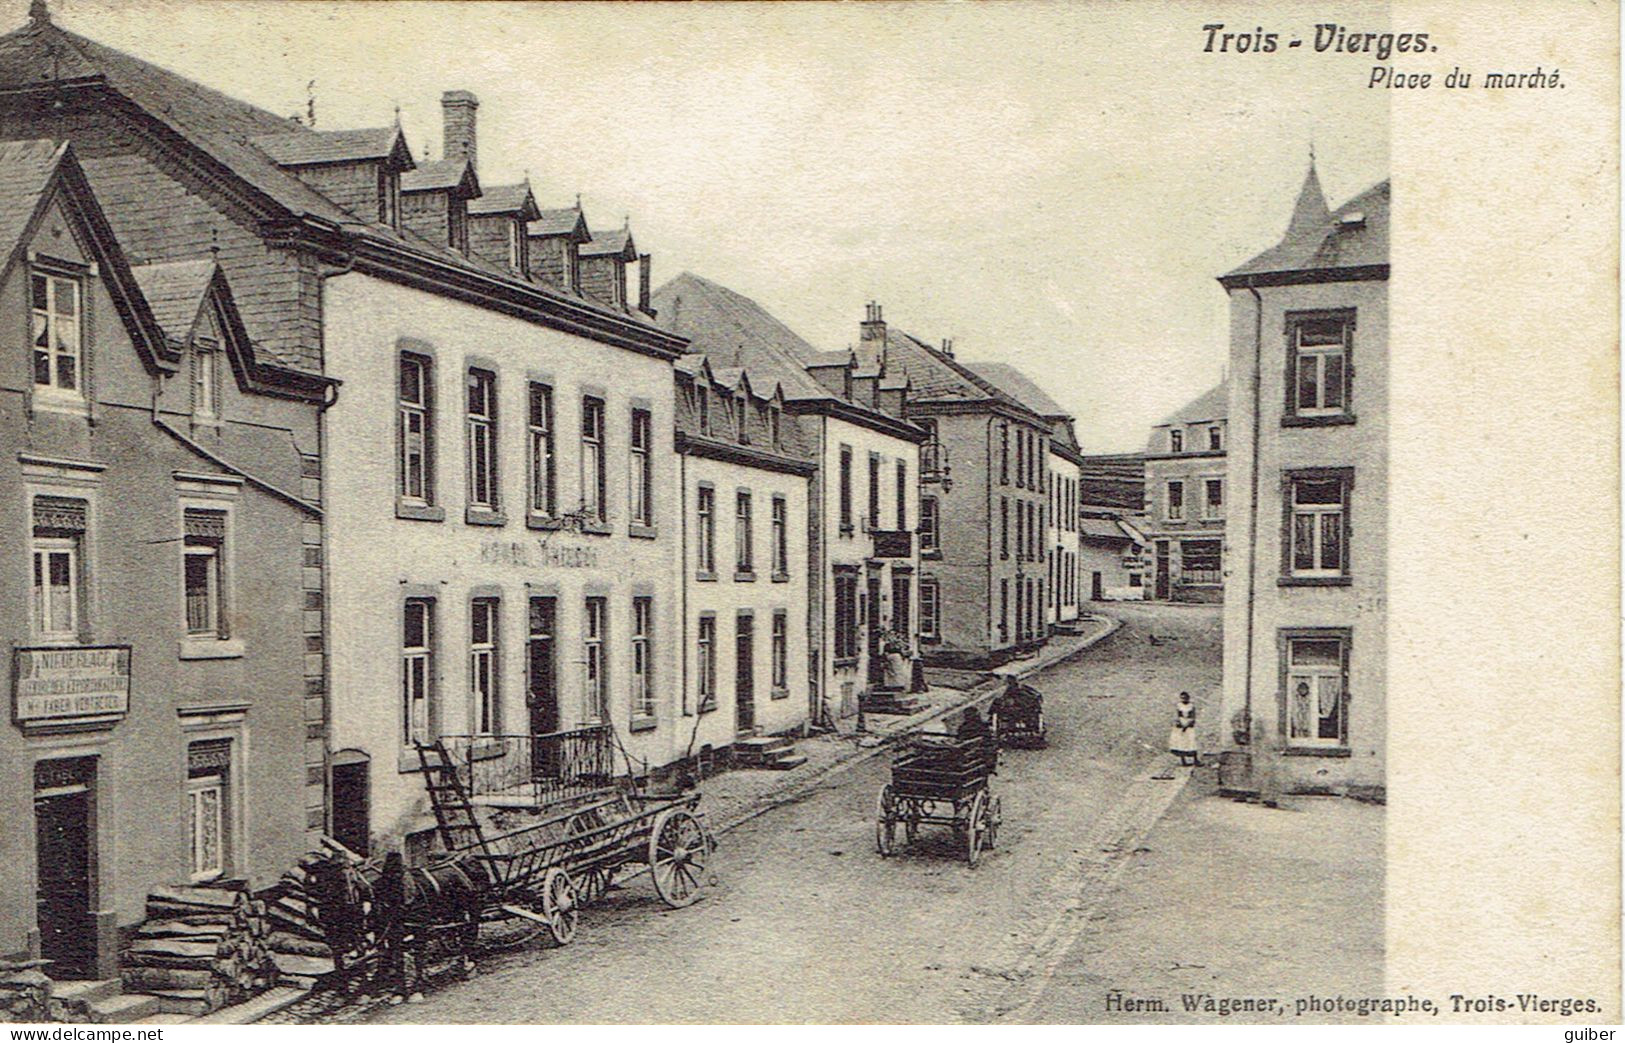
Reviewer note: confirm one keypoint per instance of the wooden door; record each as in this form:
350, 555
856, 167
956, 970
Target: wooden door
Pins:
62, 834
877, 658
745, 675
1162, 570
541, 681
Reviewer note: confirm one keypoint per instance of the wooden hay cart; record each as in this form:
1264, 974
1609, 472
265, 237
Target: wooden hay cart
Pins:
940, 780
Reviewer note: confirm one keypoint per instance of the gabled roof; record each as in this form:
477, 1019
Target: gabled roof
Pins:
308, 147
693, 364
442, 175
25, 170
568, 220
610, 244
1212, 404
1015, 383
938, 377
1351, 241
506, 199
175, 291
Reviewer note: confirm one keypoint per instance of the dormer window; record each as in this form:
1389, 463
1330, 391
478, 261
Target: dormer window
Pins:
57, 335
1215, 438
517, 247
205, 379
389, 197
775, 426
457, 226
1176, 441
705, 411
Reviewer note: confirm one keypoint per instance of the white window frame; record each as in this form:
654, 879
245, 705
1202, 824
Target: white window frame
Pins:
1174, 511
213, 628
42, 601
1318, 355
1209, 511
481, 430
706, 663
197, 787
928, 529
205, 379
1316, 675
595, 659
930, 608
779, 650
643, 692
1176, 441
543, 491
420, 410
1319, 513
640, 466
48, 321
705, 508
417, 674
484, 664
781, 536
744, 544
593, 486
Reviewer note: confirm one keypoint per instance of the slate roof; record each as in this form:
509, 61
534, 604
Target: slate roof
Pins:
441, 175
175, 291
1016, 383
567, 220
505, 199
25, 168
1320, 240
1212, 404
827, 358
733, 330
608, 244
308, 147
938, 377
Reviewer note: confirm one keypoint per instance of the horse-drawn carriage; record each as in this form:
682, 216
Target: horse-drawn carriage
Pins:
941, 780
1018, 715
581, 832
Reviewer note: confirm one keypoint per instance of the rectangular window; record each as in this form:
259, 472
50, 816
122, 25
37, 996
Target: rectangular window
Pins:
1199, 562
1213, 498
415, 430
641, 466
594, 634
1021, 458
873, 517
1215, 438
57, 558
1021, 531
482, 439
1176, 501
781, 650
775, 424
58, 348
928, 524
846, 488
705, 410
1316, 688
1318, 364
205, 379
643, 668
781, 537
417, 671
705, 661
930, 608
484, 695
902, 496
846, 615
1004, 611
1004, 528
592, 458
743, 549
706, 536
1176, 441
543, 483
203, 571
208, 808
1317, 506
1004, 453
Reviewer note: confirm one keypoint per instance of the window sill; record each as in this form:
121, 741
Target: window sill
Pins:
643, 532
643, 724
1315, 581
930, 639
933, 554
705, 577
743, 576
542, 522
847, 531
846, 663
1334, 420
779, 693
483, 516
209, 648
419, 511
709, 706
596, 528
781, 577
1316, 751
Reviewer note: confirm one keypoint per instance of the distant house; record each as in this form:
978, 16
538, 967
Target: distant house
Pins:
1113, 481
1185, 500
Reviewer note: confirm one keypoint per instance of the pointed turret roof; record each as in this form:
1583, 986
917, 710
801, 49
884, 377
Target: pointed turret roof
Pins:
1310, 211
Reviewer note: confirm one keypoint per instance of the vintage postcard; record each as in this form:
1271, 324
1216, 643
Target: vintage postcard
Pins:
738, 513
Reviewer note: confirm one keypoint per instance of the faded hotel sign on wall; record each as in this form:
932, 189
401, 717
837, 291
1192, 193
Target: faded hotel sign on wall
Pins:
54, 684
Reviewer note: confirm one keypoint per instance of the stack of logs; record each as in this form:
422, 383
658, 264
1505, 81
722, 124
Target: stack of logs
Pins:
296, 941
200, 947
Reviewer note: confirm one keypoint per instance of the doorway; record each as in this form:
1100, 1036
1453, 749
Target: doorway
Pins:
877, 657
64, 834
541, 681
901, 608
1096, 588
1161, 589
352, 800
744, 675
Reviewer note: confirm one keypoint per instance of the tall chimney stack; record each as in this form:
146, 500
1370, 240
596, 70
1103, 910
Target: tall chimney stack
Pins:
643, 283
457, 109
872, 338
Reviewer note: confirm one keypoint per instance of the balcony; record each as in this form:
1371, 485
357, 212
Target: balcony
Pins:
892, 543
530, 771
934, 462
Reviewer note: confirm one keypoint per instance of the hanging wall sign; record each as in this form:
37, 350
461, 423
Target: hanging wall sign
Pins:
63, 685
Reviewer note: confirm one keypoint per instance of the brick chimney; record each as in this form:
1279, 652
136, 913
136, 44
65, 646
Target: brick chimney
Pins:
643, 284
457, 109
948, 346
872, 339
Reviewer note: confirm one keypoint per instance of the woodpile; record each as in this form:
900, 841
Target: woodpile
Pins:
296, 940
201, 948
25, 992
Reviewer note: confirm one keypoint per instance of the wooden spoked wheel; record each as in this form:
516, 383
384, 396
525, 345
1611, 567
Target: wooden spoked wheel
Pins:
976, 829
560, 906
593, 885
995, 815
678, 850
886, 822
911, 821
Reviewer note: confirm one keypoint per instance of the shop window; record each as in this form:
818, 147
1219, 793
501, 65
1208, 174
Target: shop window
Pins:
1199, 563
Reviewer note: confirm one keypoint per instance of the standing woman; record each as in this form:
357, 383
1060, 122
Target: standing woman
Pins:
1182, 738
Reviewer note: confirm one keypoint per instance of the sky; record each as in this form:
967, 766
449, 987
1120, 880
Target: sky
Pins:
1051, 185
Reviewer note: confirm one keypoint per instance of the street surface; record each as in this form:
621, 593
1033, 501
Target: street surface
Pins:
809, 924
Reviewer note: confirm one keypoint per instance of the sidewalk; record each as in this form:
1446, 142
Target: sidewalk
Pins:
734, 797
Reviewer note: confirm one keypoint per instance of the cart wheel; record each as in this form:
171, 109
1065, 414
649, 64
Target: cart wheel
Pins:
559, 905
995, 815
886, 822
678, 849
594, 885
976, 829
911, 822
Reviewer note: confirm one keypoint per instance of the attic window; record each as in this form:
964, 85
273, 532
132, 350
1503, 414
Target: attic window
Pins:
1353, 219
389, 197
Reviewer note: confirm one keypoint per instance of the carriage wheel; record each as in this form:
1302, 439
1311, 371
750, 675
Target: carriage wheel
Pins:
594, 884
976, 828
560, 906
911, 822
886, 822
678, 848
995, 815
